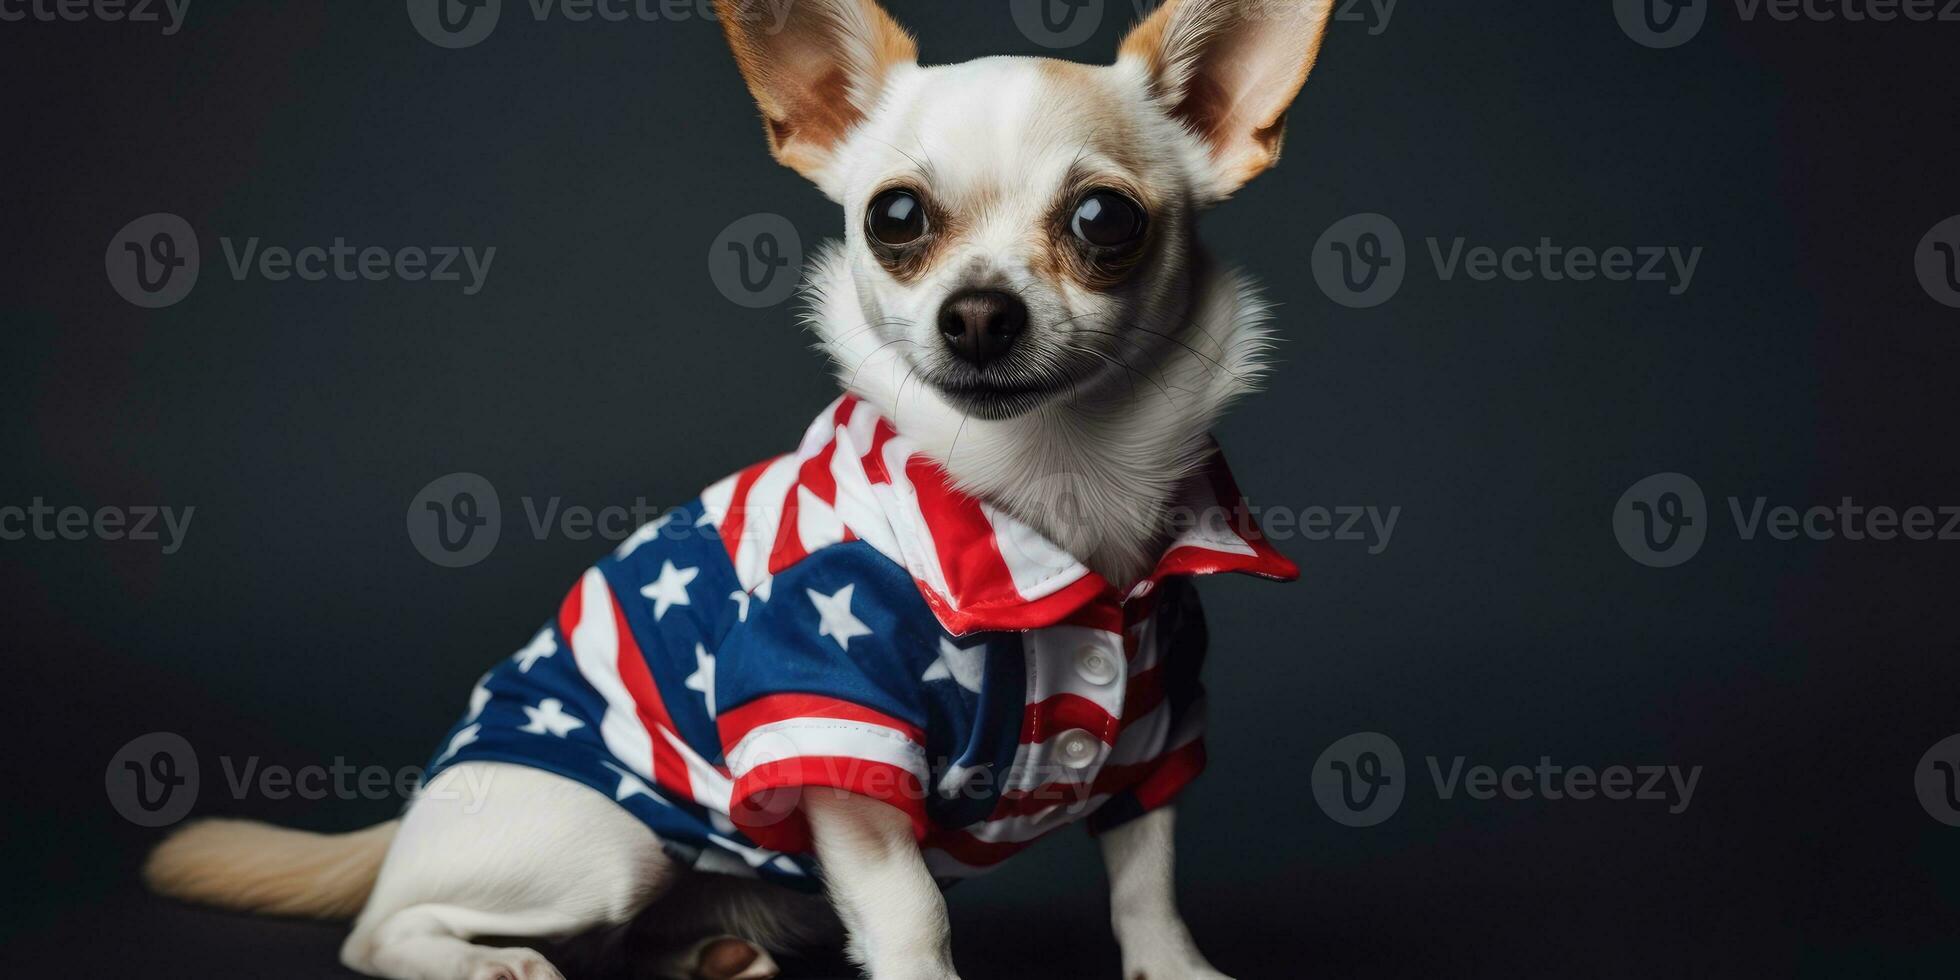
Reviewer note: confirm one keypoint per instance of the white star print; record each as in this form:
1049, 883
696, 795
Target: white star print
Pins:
631, 786
963, 666
464, 737
742, 599
647, 532
670, 589
956, 778
479, 696
834, 611
540, 647
703, 678
756, 857
549, 716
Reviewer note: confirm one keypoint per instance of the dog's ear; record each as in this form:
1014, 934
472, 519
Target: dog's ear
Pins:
1228, 69
815, 67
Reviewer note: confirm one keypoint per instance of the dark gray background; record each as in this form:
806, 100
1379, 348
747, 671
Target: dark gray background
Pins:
601, 365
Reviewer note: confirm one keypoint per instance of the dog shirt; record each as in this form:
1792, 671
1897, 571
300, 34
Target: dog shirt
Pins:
841, 618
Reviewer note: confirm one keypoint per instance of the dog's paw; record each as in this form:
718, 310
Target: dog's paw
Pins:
514, 964
1167, 961
728, 958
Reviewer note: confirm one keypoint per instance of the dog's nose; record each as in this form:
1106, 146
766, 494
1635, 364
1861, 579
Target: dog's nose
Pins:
980, 326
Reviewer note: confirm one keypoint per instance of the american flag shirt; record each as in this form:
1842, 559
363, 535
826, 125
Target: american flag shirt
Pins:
841, 618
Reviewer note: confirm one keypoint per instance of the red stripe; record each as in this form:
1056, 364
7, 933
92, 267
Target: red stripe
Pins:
1064, 712
874, 458
1158, 778
736, 723
1173, 773
963, 538
1145, 693
1028, 802
1265, 561
1105, 614
767, 801
815, 476
1016, 613
788, 549
738, 502
569, 611
669, 769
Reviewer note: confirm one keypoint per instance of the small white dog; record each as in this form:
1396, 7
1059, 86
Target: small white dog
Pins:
956, 618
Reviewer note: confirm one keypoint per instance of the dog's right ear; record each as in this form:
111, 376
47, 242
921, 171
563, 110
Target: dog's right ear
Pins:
816, 68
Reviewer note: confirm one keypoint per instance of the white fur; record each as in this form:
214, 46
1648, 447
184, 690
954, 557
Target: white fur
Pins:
489, 849
1143, 905
1151, 365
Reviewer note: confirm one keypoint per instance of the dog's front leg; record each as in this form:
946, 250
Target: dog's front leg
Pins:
878, 880
1143, 906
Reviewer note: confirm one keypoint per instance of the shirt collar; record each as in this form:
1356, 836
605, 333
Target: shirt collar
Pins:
855, 478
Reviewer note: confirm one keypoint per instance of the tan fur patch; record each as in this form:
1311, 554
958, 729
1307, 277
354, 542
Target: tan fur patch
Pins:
1145, 41
812, 78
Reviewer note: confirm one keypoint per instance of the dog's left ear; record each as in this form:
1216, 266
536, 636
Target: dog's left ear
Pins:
1228, 69
816, 68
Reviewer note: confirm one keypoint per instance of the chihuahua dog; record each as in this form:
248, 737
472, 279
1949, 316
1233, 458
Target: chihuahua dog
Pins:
956, 618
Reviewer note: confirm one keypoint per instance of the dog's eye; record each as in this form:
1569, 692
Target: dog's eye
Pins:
896, 217
1106, 219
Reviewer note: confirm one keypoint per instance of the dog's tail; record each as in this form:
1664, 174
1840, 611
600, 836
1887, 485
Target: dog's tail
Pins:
255, 867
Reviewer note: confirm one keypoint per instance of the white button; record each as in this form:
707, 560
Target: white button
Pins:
1095, 666
1078, 748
